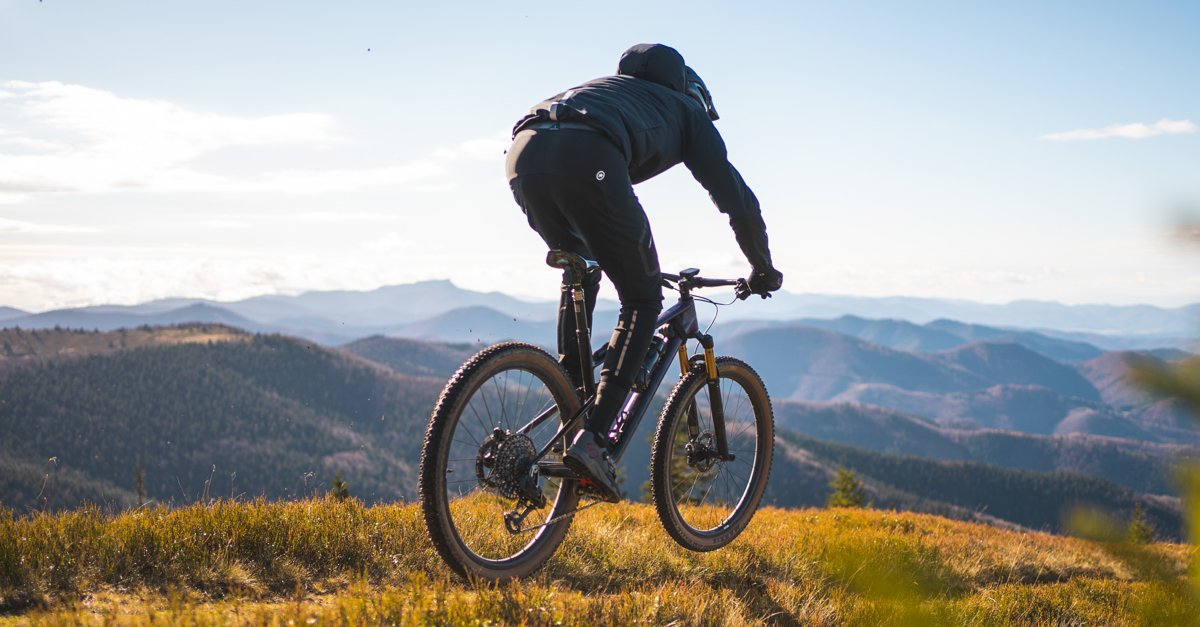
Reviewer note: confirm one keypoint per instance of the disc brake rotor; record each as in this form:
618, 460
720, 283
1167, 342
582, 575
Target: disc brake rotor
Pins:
701, 452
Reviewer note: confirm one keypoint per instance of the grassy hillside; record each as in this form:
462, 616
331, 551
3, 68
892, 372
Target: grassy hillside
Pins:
325, 560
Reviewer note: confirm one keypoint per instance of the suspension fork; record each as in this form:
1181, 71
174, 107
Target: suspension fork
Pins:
693, 418
714, 396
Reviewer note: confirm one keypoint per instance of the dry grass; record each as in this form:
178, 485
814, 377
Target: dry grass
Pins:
329, 561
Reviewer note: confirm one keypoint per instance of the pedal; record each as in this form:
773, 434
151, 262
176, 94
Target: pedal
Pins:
588, 489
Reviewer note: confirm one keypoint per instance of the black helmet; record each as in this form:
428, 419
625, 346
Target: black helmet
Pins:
696, 88
663, 64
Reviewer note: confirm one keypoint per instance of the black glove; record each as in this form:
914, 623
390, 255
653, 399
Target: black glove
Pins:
763, 282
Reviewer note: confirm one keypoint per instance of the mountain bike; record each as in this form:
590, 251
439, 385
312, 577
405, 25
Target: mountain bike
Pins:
496, 496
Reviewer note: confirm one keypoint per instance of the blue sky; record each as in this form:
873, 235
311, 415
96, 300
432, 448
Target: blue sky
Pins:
987, 151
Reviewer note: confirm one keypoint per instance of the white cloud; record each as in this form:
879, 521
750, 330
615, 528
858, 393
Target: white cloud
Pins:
219, 224
8, 226
483, 149
43, 278
321, 217
1127, 131
80, 139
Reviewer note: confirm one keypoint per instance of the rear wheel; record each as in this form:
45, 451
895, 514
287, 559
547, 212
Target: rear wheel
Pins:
704, 501
489, 511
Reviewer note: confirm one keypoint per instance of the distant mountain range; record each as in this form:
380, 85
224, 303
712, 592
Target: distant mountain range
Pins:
438, 310
195, 411
9, 313
1110, 320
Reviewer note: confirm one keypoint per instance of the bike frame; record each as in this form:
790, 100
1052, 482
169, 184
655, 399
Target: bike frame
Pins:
676, 326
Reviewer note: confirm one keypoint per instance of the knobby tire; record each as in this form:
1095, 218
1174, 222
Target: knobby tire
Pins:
705, 506
503, 387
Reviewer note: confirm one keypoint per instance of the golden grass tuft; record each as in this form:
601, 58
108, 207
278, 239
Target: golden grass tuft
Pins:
329, 561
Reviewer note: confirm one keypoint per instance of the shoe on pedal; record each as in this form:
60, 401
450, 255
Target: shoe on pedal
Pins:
589, 459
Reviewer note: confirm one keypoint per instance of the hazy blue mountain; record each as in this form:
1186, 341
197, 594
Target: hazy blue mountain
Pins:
478, 325
897, 334
8, 313
340, 316
1103, 421
1145, 326
1141, 465
982, 385
1109, 373
804, 363
936, 336
1126, 342
413, 357
1055, 348
1170, 416
876, 428
329, 317
107, 319
1168, 354
1013, 364
387, 306
152, 307
1024, 408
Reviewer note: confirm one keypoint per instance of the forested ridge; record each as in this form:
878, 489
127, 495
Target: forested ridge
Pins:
1039, 500
276, 417
1143, 466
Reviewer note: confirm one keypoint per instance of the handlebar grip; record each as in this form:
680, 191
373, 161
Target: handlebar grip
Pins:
703, 282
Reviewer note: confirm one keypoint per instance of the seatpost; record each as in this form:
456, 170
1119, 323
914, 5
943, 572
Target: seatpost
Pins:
573, 281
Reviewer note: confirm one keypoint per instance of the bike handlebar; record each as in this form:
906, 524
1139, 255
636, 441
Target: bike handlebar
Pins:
699, 281
689, 279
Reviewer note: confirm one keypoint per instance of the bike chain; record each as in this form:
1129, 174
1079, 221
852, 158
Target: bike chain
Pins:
561, 516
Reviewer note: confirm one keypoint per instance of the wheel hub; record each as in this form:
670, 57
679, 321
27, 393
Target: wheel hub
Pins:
701, 452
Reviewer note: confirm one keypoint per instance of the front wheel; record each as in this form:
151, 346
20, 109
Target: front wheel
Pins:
490, 513
703, 500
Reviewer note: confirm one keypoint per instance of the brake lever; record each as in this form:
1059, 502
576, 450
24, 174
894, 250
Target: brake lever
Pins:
742, 289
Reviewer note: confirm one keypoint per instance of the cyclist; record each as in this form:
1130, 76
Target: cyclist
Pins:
572, 167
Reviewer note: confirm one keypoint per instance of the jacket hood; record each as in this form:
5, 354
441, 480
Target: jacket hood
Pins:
654, 62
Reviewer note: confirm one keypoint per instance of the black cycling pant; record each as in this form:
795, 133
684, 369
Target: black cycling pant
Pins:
574, 188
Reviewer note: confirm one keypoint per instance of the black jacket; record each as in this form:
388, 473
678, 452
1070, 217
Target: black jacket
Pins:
656, 125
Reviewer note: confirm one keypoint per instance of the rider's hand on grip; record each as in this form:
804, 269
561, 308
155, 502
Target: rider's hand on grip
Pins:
763, 282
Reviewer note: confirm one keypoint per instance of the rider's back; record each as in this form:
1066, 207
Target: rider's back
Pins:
653, 126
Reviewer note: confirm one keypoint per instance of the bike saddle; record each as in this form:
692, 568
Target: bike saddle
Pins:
570, 261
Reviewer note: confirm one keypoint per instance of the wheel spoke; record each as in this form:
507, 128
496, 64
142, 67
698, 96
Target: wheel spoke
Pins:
507, 385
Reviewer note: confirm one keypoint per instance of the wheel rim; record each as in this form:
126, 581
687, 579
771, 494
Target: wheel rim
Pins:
708, 493
504, 399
